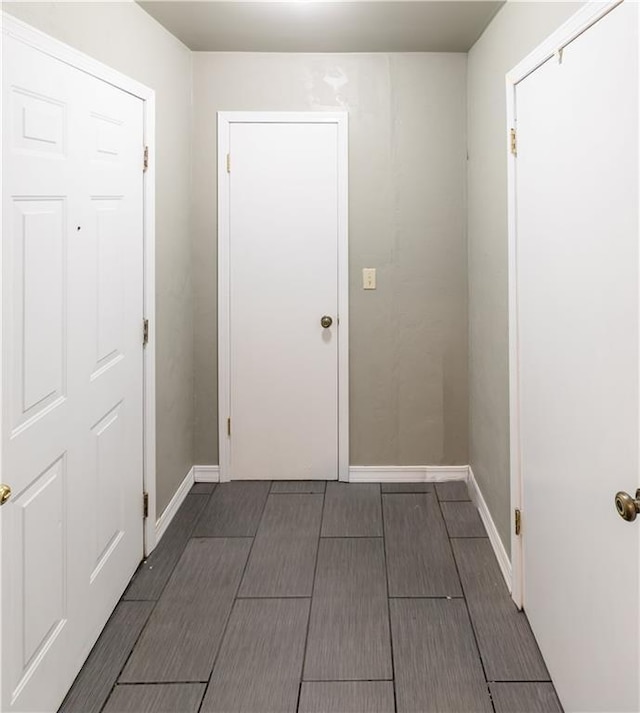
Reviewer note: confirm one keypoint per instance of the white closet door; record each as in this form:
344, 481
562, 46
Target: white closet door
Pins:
71, 534
283, 249
578, 298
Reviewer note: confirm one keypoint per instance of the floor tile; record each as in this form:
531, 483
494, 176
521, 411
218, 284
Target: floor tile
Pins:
260, 662
153, 574
508, 648
347, 697
156, 698
283, 556
437, 667
419, 558
462, 519
183, 634
525, 698
299, 486
406, 487
349, 627
206, 488
352, 510
99, 673
454, 490
234, 509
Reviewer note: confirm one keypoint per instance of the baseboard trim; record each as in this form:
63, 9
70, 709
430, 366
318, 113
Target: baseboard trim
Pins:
492, 530
370, 473
174, 505
206, 473
407, 473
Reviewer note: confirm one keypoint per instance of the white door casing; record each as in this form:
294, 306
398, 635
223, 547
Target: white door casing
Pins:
72, 360
283, 378
574, 312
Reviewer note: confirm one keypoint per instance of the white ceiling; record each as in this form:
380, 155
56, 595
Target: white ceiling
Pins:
324, 25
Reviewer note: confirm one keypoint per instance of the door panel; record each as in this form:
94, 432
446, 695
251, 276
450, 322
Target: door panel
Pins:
283, 279
71, 534
109, 278
39, 316
39, 122
42, 562
578, 294
108, 448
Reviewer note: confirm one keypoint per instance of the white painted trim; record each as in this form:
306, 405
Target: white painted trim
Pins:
174, 505
46, 44
343, 296
407, 473
149, 306
206, 473
581, 21
224, 323
42, 42
225, 119
492, 531
587, 16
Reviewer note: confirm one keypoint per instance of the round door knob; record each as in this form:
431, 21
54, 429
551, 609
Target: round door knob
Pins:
326, 321
5, 494
628, 507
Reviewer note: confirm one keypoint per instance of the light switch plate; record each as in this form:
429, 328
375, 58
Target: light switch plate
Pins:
369, 278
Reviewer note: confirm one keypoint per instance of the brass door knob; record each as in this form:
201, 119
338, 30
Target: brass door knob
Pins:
5, 493
326, 321
628, 508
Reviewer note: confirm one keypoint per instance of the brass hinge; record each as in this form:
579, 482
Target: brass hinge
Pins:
145, 160
228, 163
514, 142
145, 504
518, 520
145, 332
228, 427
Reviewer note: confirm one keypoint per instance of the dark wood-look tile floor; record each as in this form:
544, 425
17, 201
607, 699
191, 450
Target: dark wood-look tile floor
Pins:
296, 598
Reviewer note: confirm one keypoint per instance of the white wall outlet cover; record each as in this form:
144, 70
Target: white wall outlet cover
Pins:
369, 278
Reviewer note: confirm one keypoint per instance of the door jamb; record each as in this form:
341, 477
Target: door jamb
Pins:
225, 119
576, 25
56, 49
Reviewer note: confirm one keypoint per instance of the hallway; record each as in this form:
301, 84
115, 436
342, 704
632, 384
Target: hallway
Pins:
318, 598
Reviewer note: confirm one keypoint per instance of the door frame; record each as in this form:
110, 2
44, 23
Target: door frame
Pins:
551, 48
225, 119
38, 40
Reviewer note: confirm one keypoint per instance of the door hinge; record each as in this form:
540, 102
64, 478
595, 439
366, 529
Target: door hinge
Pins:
518, 521
228, 163
145, 160
145, 505
228, 427
145, 332
514, 142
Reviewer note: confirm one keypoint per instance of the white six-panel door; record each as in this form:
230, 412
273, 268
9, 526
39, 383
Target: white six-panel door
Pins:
578, 286
284, 210
72, 266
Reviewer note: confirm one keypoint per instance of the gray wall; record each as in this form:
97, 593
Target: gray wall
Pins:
407, 201
125, 37
516, 30
408, 363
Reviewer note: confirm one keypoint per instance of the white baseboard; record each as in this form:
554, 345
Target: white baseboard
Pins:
492, 531
172, 508
407, 473
206, 473
370, 473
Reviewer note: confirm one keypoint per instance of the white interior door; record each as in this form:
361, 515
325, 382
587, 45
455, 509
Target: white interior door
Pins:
283, 278
578, 296
72, 367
